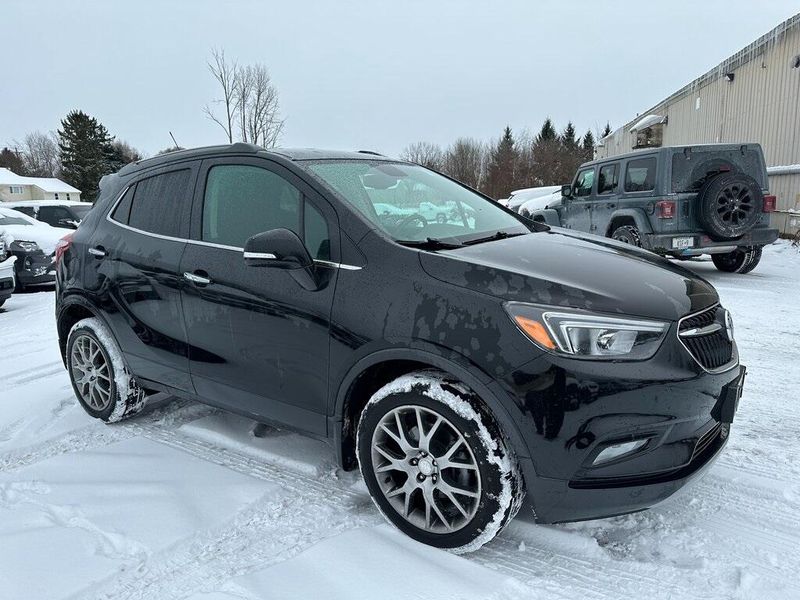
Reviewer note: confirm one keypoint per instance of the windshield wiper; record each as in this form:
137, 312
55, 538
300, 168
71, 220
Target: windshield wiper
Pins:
497, 235
429, 244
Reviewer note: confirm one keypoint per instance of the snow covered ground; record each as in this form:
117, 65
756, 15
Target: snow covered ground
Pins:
182, 502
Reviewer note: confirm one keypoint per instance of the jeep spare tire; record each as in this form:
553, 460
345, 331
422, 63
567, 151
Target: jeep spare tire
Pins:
730, 204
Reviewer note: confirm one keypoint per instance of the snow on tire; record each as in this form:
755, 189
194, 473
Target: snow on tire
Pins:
104, 386
436, 463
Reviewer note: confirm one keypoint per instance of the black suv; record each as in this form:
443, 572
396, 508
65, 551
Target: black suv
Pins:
457, 362
679, 201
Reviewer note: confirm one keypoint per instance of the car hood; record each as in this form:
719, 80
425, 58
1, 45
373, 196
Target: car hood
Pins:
560, 268
45, 236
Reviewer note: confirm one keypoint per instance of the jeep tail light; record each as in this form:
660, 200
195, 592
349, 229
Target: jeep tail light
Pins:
665, 209
62, 246
769, 203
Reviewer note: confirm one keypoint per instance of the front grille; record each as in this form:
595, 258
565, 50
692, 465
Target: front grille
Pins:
713, 349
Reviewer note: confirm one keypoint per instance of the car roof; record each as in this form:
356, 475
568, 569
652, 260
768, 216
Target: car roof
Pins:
294, 154
667, 150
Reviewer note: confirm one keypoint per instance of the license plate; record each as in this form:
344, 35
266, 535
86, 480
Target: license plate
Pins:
729, 401
682, 243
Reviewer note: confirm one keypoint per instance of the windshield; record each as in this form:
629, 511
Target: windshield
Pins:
411, 203
4, 220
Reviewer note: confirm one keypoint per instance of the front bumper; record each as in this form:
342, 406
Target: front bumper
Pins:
571, 410
703, 244
34, 268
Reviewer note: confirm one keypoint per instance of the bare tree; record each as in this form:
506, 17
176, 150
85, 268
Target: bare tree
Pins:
425, 154
40, 154
250, 104
257, 96
227, 75
465, 161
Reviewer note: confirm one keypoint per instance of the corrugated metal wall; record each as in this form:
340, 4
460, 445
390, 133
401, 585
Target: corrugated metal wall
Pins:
761, 104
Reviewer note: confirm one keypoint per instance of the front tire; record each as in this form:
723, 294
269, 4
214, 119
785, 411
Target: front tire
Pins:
436, 464
100, 379
741, 260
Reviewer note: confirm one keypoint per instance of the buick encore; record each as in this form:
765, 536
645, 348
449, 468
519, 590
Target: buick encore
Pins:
468, 364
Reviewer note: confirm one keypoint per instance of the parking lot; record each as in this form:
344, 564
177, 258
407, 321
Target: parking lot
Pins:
183, 502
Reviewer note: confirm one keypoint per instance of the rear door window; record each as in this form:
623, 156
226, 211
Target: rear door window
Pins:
157, 204
640, 175
607, 179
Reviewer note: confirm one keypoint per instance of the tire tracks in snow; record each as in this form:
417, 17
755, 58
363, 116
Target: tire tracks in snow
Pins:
97, 434
276, 528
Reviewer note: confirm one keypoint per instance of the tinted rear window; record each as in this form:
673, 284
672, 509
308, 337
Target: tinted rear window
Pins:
157, 205
123, 210
640, 175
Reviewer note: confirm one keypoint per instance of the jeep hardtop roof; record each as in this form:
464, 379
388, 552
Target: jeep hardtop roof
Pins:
671, 150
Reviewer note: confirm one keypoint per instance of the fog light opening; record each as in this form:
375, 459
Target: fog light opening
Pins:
616, 451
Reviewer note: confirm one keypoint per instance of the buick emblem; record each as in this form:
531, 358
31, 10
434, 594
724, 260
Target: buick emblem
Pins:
729, 325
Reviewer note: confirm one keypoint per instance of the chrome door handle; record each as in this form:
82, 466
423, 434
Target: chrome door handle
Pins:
97, 252
198, 279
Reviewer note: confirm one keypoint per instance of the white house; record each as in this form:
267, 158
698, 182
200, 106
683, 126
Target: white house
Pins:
14, 188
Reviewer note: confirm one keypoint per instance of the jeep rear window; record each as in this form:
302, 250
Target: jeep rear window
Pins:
640, 175
693, 167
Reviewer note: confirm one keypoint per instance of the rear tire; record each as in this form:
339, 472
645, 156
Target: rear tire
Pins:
741, 260
104, 386
454, 486
627, 234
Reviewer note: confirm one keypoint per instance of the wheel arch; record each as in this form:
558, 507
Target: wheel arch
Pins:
374, 371
628, 216
70, 312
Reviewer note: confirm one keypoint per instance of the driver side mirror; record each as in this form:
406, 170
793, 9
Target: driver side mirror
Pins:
282, 249
566, 191
277, 248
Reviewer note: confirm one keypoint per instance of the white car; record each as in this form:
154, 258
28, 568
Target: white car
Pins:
539, 203
32, 243
7, 279
56, 213
518, 197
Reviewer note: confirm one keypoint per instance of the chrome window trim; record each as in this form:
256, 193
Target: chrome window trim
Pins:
734, 355
323, 263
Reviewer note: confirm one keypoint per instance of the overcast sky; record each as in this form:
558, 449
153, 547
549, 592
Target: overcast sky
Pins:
362, 75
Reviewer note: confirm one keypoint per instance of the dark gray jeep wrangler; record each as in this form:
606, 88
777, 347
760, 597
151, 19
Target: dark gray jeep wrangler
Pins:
679, 201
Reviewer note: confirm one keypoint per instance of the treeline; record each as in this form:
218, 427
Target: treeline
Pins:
509, 163
80, 153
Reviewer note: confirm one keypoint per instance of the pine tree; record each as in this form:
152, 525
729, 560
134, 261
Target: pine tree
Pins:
13, 161
548, 132
568, 138
588, 141
607, 130
502, 160
86, 152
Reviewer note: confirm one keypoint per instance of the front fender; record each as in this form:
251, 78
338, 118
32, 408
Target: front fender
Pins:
547, 215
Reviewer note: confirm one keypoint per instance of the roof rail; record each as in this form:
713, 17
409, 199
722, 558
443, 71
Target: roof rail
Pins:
369, 152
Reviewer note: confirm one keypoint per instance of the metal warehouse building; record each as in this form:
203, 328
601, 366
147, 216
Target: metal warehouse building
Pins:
753, 96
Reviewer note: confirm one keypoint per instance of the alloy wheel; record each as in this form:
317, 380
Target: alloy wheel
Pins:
91, 372
734, 204
426, 469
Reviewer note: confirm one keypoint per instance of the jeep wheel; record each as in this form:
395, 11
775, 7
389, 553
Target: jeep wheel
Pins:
627, 234
741, 260
730, 204
441, 218
436, 464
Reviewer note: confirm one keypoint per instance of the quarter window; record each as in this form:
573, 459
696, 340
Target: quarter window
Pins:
640, 175
156, 206
317, 237
583, 182
607, 179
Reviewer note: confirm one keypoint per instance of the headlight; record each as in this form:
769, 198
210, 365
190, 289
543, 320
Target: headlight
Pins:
588, 335
26, 246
